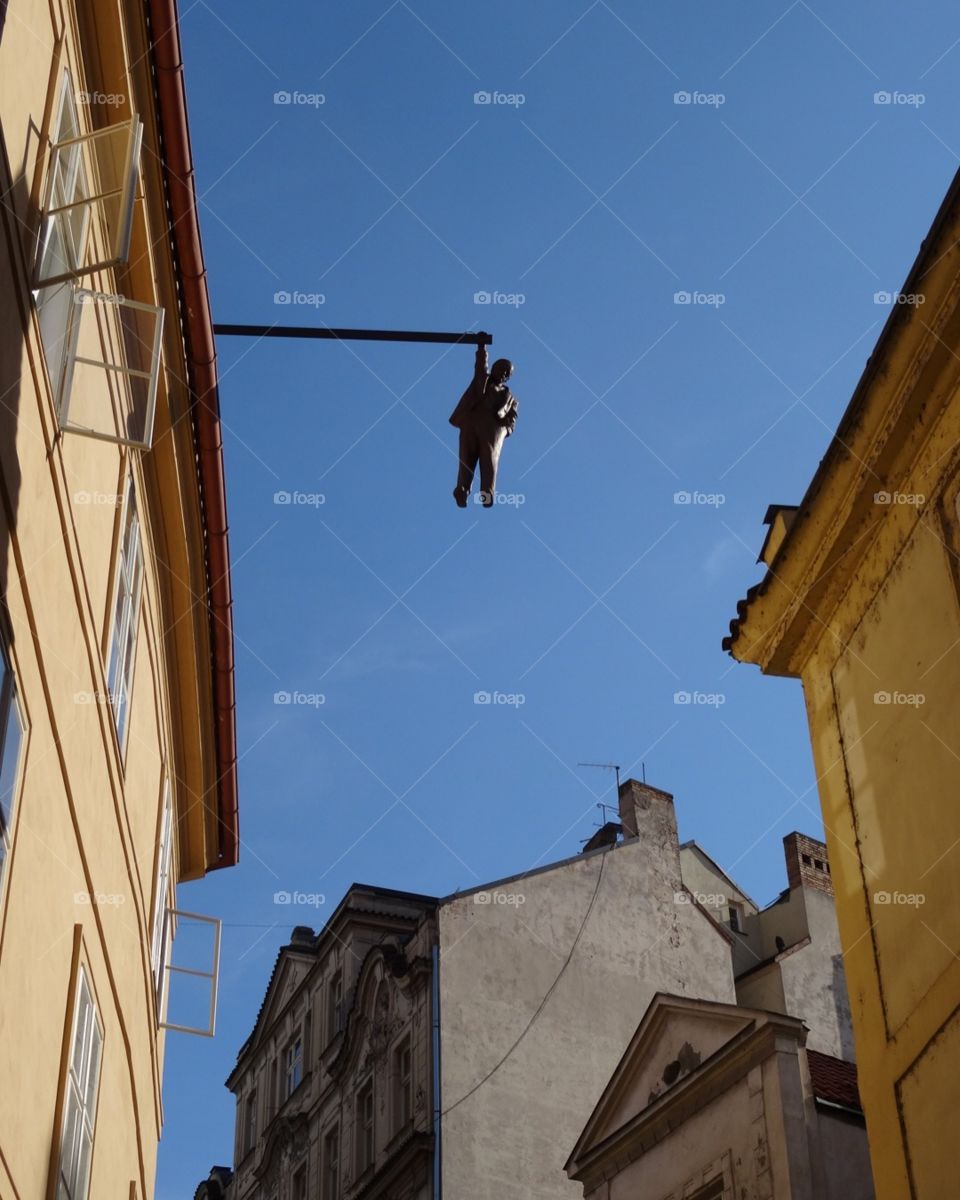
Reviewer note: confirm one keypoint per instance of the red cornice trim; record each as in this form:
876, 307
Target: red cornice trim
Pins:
177, 163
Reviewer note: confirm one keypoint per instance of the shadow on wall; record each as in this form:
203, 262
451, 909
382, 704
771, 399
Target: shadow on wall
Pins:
17, 236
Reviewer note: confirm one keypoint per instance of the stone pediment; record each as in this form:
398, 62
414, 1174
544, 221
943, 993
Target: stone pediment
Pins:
676, 1039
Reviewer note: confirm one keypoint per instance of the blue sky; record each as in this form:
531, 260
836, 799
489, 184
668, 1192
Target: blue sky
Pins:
783, 199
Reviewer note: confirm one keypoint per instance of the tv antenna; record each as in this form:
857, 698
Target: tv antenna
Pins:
606, 767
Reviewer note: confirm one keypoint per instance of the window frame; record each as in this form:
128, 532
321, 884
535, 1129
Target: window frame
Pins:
365, 1118
330, 1186
11, 706
129, 619
248, 1128
403, 1083
77, 1187
293, 1064
335, 1014
160, 943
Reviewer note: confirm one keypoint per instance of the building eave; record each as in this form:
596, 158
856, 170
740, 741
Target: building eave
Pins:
197, 324
777, 613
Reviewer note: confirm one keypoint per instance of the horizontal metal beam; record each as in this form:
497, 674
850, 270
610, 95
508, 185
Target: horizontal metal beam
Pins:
352, 335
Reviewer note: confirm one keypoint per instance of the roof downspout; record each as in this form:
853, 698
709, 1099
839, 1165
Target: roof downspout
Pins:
201, 355
435, 1021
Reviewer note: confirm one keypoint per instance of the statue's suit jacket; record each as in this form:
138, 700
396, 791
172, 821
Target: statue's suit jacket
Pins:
472, 399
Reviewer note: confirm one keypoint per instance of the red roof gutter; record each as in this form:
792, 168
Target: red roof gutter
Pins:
177, 162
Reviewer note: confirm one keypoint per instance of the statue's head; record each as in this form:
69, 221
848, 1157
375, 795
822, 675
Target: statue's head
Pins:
501, 371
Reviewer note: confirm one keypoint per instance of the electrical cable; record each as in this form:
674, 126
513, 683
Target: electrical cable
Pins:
543, 1002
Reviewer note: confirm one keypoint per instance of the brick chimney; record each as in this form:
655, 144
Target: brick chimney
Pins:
807, 864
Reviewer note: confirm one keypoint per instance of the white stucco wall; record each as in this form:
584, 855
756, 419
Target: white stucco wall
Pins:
498, 961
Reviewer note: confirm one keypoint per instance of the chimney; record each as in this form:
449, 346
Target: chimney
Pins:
302, 935
807, 864
647, 812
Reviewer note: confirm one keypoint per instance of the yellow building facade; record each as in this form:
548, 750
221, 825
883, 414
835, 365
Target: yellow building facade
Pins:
117, 728
861, 601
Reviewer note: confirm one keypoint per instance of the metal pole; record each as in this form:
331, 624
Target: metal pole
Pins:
359, 335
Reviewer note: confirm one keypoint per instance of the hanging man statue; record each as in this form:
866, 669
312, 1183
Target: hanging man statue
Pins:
486, 416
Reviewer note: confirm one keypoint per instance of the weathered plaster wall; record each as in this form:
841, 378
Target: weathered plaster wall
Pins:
501, 956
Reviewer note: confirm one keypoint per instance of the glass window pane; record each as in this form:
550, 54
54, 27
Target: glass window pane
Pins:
12, 741
93, 1069
83, 1166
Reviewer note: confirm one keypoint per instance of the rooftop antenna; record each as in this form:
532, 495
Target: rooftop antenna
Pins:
606, 767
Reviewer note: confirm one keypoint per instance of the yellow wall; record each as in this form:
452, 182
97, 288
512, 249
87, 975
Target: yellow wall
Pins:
87, 819
862, 603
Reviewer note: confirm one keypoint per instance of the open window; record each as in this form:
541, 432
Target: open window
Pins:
102, 351
199, 971
160, 946
87, 214
107, 385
